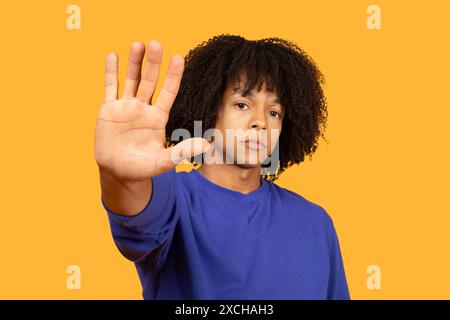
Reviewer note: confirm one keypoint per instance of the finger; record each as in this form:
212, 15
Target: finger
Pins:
151, 72
111, 82
171, 84
137, 51
186, 150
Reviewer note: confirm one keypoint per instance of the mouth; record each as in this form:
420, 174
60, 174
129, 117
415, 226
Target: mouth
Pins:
254, 144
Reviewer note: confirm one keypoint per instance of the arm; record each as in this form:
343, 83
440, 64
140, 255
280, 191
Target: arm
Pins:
137, 171
130, 138
146, 236
128, 198
337, 286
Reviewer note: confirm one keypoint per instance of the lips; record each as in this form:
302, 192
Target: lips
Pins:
254, 144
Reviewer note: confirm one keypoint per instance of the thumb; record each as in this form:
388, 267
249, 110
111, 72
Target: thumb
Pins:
188, 148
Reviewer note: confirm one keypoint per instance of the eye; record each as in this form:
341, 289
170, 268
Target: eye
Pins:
240, 104
275, 114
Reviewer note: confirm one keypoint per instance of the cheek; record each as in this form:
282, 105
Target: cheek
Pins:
224, 121
273, 135
234, 121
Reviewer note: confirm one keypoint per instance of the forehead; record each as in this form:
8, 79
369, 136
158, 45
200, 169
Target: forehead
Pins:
239, 86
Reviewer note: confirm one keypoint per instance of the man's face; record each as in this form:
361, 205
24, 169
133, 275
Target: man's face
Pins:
254, 120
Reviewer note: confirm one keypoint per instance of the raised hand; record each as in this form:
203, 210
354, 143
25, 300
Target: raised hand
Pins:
130, 131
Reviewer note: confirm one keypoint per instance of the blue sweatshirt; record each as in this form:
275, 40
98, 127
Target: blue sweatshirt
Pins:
198, 240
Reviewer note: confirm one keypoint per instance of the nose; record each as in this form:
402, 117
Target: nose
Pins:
259, 120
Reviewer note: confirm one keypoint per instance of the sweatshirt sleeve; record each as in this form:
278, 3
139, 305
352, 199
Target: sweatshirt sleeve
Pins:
337, 285
147, 236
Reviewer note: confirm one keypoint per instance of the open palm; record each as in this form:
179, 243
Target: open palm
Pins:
130, 132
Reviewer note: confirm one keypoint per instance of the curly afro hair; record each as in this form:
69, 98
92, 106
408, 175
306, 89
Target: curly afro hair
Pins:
280, 63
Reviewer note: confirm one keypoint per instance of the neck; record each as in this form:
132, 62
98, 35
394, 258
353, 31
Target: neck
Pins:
230, 176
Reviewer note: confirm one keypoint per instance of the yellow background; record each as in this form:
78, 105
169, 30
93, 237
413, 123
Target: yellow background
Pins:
383, 177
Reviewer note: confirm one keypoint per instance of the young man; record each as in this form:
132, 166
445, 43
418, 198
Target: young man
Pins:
224, 230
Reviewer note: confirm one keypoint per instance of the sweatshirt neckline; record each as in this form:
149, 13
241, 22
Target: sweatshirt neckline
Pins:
253, 195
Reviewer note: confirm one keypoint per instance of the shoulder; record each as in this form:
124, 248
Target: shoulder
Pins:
185, 181
175, 176
301, 207
184, 177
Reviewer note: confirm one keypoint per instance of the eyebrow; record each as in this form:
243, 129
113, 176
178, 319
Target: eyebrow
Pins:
251, 94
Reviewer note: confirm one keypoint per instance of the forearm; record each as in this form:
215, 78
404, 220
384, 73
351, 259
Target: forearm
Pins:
124, 197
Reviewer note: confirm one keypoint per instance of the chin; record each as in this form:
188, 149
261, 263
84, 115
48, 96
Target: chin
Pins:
250, 160
248, 166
